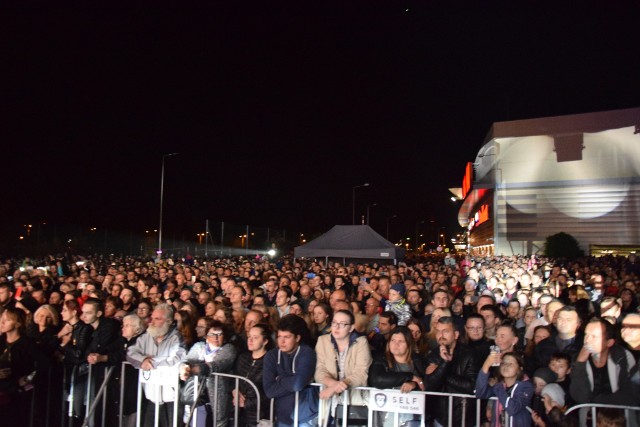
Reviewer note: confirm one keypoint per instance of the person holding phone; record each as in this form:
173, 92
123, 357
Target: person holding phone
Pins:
514, 393
450, 369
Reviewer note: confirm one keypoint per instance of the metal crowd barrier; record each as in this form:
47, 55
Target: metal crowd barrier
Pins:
450, 396
170, 378
631, 421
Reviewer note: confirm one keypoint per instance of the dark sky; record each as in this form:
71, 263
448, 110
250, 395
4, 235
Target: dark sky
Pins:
279, 108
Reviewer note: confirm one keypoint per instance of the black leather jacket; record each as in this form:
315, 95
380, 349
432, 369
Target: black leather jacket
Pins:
382, 376
74, 352
457, 376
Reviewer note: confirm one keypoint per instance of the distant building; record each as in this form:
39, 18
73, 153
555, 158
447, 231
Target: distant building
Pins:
578, 174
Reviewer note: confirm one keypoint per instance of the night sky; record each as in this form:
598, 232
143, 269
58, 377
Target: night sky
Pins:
279, 108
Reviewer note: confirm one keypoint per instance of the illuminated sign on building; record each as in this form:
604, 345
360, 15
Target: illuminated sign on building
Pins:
481, 216
467, 180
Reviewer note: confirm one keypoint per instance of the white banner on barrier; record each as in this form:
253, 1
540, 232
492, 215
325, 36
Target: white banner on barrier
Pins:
395, 401
162, 375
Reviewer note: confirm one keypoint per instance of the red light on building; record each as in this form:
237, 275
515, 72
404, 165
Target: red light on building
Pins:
467, 180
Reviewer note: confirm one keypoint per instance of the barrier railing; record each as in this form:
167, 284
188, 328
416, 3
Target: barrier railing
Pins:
100, 397
169, 377
450, 396
631, 413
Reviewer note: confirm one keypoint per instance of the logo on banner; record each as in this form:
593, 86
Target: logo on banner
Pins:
163, 375
395, 401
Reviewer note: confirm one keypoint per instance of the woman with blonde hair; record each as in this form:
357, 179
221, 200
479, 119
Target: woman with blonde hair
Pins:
44, 330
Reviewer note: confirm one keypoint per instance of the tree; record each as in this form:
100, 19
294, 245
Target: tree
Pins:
562, 245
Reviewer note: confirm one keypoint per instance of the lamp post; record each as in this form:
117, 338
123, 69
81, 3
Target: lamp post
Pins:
161, 204
369, 206
441, 233
353, 200
389, 218
416, 241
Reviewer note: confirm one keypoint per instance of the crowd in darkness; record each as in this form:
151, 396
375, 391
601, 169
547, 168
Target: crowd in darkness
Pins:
539, 335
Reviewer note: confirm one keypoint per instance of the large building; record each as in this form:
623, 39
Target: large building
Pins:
577, 174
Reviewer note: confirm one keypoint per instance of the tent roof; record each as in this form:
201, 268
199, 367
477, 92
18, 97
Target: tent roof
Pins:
350, 241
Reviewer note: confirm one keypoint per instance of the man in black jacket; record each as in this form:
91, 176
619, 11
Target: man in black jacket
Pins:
451, 370
102, 349
566, 338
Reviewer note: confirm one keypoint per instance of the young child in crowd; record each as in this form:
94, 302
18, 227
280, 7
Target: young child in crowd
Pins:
610, 417
560, 364
553, 398
541, 378
397, 304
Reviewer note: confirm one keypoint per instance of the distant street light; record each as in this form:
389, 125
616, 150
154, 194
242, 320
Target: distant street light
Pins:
161, 204
353, 200
415, 244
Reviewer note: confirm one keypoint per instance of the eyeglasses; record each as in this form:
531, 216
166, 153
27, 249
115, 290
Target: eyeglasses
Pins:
474, 328
627, 326
214, 334
340, 325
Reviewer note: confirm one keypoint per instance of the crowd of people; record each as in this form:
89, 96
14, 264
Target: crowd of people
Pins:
539, 335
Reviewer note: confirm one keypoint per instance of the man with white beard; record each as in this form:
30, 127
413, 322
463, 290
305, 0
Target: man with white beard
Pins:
161, 345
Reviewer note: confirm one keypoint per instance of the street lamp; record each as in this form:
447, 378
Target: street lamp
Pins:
161, 204
368, 206
416, 241
389, 218
442, 235
353, 200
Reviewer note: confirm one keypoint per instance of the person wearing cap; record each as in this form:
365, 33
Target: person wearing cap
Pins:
397, 304
553, 397
541, 378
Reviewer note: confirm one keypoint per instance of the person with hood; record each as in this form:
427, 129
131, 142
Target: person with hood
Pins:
289, 369
343, 363
397, 304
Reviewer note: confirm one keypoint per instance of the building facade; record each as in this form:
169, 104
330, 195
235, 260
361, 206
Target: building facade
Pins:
577, 174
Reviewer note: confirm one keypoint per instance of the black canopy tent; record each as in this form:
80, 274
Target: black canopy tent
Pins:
350, 241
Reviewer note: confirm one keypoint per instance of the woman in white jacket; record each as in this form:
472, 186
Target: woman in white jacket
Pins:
343, 360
